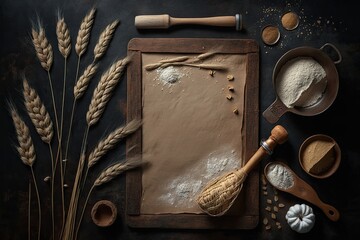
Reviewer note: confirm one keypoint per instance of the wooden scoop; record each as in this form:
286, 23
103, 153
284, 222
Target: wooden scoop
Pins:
219, 195
304, 191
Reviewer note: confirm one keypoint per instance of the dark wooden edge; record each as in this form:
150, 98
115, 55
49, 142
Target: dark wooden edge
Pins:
134, 218
193, 45
134, 142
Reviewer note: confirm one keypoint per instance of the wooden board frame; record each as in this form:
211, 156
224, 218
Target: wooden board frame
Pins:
249, 47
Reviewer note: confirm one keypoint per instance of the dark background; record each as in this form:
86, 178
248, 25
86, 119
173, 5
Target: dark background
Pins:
321, 22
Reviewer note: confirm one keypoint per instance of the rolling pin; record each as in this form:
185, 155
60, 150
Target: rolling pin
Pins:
164, 21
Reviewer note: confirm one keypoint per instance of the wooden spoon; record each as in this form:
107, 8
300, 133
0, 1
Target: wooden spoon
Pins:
304, 191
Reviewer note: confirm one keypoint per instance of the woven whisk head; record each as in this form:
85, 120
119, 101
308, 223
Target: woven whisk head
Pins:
219, 195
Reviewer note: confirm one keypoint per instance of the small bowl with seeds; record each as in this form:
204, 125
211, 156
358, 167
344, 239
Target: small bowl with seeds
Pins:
270, 34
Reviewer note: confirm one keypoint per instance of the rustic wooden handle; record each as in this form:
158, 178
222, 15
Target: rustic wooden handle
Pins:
303, 190
278, 136
221, 21
164, 21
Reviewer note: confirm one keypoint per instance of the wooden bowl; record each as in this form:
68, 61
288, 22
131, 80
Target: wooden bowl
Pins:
333, 160
104, 213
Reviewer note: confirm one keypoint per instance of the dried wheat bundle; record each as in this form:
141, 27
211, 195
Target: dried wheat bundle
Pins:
63, 36
42, 47
225, 188
104, 89
104, 39
84, 80
83, 36
111, 140
37, 112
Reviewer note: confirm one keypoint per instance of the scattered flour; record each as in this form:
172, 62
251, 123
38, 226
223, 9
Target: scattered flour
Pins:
169, 75
301, 82
182, 190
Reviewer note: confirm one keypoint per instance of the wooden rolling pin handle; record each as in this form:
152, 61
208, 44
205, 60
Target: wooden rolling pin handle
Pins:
164, 21
278, 135
222, 21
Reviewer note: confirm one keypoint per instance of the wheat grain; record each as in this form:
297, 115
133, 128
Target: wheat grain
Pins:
104, 89
84, 80
115, 170
42, 47
83, 36
63, 36
37, 112
111, 140
26, 147
104, 39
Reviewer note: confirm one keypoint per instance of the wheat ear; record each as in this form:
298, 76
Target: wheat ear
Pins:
63, 36
43, 48
26, 152
104, 89
84, 80
104, 39
45, 55
111, 140
26, 147
83, 36
37, 112
113, 171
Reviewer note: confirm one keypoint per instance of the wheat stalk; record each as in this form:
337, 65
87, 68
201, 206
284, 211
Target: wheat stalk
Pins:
63, 37
79, 90
111, 140
104, 89
71, 216
83, 36
64, 44
29, 212
104, 39
37, 112
42, 47
26, 152
43, 125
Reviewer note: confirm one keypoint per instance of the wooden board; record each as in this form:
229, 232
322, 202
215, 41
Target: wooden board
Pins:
248, 219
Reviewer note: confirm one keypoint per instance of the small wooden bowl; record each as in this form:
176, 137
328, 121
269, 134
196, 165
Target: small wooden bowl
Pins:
337, 152
270, 34
104, 213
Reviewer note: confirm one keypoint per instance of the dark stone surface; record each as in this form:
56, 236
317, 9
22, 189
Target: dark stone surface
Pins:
322, 21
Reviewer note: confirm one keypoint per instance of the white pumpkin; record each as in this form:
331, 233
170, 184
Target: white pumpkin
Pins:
301, 218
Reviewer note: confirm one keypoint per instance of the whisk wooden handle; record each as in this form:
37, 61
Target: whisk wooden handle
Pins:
278, 136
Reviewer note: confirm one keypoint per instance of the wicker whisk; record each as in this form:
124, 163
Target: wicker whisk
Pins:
219, 195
